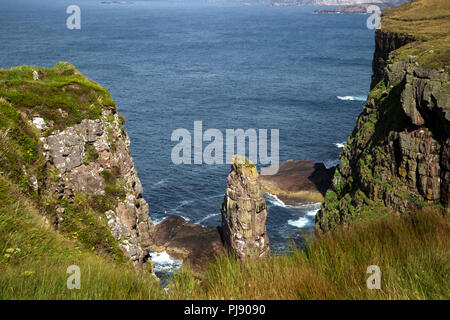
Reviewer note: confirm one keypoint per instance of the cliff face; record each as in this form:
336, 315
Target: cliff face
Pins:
397, 157
93, 158
385, 43
64, 147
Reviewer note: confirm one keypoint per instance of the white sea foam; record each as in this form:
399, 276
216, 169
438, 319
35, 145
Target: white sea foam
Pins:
301, 222
157, 221
340, 145
308, 219
184, 203
273, 199
207, 217
160, 183
164, 262
352, 98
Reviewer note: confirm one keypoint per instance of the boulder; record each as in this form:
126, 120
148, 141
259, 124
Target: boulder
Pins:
192, 243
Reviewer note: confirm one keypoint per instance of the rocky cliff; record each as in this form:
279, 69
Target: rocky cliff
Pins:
397, 157
64, 146
244, 212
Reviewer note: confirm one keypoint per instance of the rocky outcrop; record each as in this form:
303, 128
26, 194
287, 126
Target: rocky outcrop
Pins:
93, 158
397, 157
297, 182
192, 243
385, 43
244, 212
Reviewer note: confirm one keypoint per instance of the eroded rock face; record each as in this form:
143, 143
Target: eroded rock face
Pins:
81, 155
385, 43
398, 154
244, 212
192, 243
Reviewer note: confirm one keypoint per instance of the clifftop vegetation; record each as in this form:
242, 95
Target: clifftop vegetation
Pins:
428, 21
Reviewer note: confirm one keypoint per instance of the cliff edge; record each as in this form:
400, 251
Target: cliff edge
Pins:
398, 155
63, 146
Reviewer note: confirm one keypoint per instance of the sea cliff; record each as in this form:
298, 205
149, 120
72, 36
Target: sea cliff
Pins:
63, 145
397, 157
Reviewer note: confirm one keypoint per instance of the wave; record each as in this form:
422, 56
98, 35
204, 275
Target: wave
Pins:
164, 262
207, 217
309, 219
273, 199
157, 221
340, 145
352, 98
160, 183
302, 222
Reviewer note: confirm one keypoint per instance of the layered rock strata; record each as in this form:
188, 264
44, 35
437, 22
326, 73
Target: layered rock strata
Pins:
93, 158
244, 212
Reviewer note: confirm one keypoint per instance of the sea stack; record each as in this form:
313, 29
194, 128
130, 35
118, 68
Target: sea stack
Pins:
244, 212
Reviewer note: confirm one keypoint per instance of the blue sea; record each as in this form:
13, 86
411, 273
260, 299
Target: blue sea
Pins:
229, 65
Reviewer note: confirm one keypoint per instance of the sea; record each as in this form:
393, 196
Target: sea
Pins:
229, 64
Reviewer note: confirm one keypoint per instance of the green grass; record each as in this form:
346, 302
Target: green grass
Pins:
428, 21
61, 87
412, 251
34, 260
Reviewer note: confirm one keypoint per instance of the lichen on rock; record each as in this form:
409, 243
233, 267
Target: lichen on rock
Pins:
244, 212
397, 157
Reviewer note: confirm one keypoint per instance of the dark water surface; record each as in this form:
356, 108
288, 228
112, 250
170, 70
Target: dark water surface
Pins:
169, 63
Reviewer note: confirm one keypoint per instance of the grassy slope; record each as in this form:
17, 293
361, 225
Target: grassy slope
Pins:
34, 259
412, 253
429, 22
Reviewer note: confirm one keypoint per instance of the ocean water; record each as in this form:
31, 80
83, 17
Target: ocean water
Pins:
170, 63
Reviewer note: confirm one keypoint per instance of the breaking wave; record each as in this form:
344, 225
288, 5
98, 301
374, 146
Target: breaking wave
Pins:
273, 199
207, 217
308, 219
164, 262
340, 145
352, 98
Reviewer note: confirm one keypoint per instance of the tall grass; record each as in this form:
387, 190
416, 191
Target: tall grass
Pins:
412, 252
34, 261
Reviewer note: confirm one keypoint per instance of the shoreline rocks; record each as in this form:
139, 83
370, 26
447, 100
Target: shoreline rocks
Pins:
298, 182
192, 243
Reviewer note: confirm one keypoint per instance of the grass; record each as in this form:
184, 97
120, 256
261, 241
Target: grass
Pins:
34, 260
412, 252
60, 90
428, 21
424, 19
